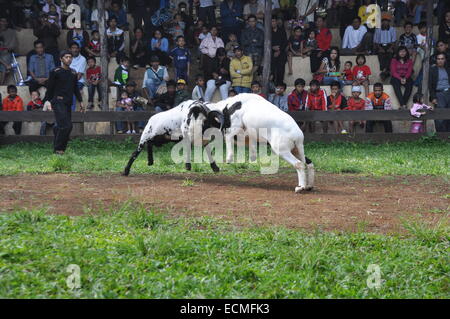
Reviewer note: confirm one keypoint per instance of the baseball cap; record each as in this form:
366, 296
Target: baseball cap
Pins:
181, 81
237, 48
356, 89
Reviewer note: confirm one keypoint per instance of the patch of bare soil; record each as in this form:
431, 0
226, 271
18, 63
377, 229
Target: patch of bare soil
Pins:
339, 202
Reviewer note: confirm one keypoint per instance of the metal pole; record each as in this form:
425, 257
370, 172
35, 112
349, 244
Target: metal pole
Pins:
426, 62
267, 46
104, 54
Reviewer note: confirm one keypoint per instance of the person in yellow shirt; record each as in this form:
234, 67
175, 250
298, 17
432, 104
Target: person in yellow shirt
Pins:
241, 71
362, 12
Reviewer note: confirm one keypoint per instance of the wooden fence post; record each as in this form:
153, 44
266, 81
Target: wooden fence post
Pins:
267, 46
426, 61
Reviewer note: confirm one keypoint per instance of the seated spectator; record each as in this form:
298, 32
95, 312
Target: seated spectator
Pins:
166, 101
409, 40
93, 77
48, 33
440, 89
220, 78
306, 10
330, 67
356, 39
12, 102
362, 73
418, 10
95, 18
208, 48
27, 14
279, 99
181, 57
316, 100
5, 61
79, 36
200, 88
255, 8
384, 43
36, 103
324, 38
336, 101
294, 47
347, 12
256, 89
93, 48
115, 39
53, 11
241, 71
355, 103
422, 39
206, 11
232, 43
142, 11
155, 77
347, 74
231, 12
401, 70
200, 32
279, 55
159, 46
182, 94
177, 27
444, 28
232, 93
252, 39
39, 67
378, 100
297, 98
44, 125
401, 11
119, 13
309, 45
122, 73
442, 47
8, 43
79, 65
138, 49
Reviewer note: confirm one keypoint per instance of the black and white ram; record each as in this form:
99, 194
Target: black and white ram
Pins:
174, 125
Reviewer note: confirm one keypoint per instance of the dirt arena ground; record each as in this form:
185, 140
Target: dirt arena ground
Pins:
339, 202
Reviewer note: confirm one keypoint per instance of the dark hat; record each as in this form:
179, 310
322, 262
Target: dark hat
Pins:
64, 52
154, 58
237, 48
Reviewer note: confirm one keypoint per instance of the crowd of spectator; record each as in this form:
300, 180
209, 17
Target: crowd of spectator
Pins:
225, 39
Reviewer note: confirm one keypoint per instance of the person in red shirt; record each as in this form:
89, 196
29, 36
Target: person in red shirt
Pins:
12, 102
356, 103
347, 74
93, 48
401, 71
336, 102
323, 38
316, 100
93, 76
297, 99
361, 73
35, 103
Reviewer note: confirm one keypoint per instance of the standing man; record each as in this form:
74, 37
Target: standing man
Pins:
440, 89
62, 85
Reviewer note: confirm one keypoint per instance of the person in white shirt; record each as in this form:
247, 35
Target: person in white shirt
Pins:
79, 65
306, 9
356, 39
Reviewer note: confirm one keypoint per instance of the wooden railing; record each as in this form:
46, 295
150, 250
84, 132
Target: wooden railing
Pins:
78, 117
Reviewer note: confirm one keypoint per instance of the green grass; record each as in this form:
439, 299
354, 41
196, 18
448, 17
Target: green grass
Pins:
130, 252
425, 157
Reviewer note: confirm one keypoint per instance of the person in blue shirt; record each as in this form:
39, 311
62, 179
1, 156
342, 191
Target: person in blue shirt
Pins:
181, 58
159, 46
231, 12
120, 15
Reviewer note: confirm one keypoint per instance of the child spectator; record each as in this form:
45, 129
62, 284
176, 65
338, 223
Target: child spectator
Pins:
232, 93
13, 102
336, 102
79, 36
417, 110
316, 101
256, 89
297, 99
356, 103
422, 39
116, 40
121, 74
361, 73
182, 94
177, 28
378, 100
53, 15
199, 90
93, 48
182, 59
93, 76
294, 47
279, 99
409, 40
347, 74
310, 44
44, 125
201, 32
138, 49
125, 103
232, 43
35, 103
159, 46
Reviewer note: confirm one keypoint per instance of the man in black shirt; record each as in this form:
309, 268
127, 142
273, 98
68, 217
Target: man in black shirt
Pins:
62, 85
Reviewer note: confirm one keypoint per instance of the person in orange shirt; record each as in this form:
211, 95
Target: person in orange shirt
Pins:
12, 102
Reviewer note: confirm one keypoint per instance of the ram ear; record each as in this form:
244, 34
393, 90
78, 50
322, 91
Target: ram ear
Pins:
226, 118
196, 110
216, 119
